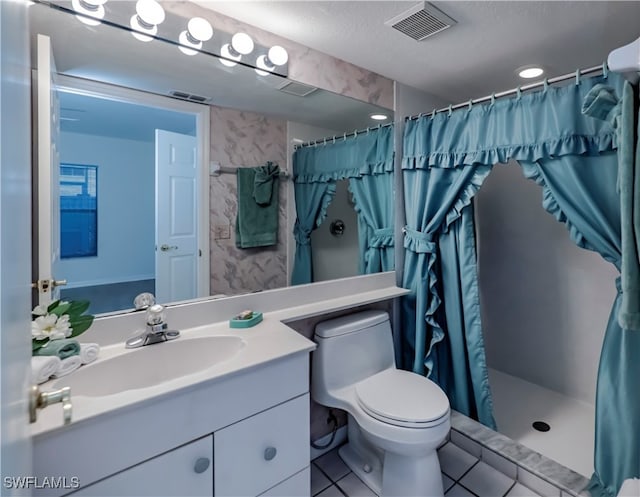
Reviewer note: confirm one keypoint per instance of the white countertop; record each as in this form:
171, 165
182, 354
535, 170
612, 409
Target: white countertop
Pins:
264, 343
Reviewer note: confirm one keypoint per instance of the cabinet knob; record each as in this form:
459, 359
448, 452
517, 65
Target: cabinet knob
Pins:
201, 465
269, 453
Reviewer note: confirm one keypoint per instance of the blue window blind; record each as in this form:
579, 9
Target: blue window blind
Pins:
78, 211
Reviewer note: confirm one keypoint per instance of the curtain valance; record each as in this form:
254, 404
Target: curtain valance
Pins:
366, 154
530, 127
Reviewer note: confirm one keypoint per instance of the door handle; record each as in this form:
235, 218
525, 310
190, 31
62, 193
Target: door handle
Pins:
165, 248
40, 400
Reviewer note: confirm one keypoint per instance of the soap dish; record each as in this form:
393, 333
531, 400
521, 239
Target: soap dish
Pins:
246, 323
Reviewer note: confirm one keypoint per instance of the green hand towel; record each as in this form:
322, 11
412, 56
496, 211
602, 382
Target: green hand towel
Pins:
266, 177
256, 225
62, 348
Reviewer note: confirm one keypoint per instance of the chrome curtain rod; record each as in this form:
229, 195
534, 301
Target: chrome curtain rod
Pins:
514, 91
333, 138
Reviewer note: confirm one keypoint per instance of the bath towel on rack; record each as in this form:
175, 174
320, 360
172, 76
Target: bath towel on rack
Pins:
257, 220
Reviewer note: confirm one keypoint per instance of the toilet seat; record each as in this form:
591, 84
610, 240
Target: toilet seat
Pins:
402, 398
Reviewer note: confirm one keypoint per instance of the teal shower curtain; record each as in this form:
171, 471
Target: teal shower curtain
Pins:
446, 158
367, 161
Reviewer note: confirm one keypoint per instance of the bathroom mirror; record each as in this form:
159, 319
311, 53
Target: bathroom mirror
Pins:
253, 119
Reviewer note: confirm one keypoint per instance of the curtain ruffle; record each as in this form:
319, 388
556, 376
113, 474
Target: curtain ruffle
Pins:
568, 145
380, 238
466, 195
549, 203
326, 201
352, 172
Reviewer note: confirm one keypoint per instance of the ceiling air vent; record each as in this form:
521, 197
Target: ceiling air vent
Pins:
421, 21
187, 96
297, 89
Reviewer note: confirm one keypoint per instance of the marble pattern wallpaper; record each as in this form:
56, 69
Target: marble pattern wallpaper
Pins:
305, 64
244, 139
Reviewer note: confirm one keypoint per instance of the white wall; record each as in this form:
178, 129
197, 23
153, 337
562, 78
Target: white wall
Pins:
15, 240
336, 256
545, 302
126, 209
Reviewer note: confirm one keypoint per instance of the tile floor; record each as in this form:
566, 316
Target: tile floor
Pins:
463, 475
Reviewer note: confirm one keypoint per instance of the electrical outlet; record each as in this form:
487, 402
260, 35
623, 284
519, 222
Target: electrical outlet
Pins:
221, 232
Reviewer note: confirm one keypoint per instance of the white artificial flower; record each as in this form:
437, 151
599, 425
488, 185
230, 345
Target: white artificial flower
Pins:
50, 326
39, 310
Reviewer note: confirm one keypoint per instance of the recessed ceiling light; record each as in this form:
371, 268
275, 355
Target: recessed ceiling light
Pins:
378, 117
528, 72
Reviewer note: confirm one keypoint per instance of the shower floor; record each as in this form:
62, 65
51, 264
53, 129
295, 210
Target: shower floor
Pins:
518, 403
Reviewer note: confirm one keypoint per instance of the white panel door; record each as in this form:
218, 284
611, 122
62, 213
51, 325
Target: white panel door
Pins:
176, 217
48, 164
15, 249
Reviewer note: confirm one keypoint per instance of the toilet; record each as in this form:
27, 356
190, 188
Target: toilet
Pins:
396, 419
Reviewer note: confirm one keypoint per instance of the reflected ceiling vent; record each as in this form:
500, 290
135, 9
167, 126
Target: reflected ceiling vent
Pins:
421, 21
297, 89
188, 96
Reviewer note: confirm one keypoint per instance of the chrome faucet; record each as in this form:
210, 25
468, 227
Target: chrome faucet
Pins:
156, 330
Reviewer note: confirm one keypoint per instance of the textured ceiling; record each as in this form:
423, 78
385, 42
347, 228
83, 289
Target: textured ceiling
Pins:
477, 56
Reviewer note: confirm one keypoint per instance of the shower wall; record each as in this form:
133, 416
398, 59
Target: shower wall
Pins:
544, 301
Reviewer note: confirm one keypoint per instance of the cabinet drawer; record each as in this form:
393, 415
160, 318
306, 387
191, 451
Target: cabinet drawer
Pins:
185, 471
299, 485
257, 453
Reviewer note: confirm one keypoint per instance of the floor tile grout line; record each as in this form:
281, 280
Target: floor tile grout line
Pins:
467, 471
510, 488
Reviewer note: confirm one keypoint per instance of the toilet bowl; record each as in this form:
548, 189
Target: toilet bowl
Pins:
396, 419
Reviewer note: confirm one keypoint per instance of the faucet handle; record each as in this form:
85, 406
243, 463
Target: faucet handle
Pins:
144, 301
155, 315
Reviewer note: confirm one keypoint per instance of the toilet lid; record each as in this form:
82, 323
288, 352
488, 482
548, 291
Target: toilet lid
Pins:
401, 397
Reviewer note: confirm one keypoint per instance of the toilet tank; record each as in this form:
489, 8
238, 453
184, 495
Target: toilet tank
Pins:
350, 349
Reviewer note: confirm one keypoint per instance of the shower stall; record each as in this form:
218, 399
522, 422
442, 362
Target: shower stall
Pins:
545, 303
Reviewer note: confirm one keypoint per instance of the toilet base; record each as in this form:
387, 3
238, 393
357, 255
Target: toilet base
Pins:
370, 472
399, 476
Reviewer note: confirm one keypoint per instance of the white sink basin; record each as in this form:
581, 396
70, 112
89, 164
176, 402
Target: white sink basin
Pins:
151, 365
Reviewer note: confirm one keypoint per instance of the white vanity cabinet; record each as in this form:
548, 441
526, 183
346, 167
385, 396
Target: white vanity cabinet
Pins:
265, 453
257, 453
252, 427
187, 470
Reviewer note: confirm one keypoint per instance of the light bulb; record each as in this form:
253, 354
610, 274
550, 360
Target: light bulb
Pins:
136, 26
226, 53
92, 8
264, 67
150, 12
199, 29
242, 43
378, 117
185, 39
278, 55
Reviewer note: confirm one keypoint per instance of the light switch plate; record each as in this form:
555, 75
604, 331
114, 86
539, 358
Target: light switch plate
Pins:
221, 232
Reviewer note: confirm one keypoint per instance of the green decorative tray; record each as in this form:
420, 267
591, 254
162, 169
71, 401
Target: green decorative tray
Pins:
246, 323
